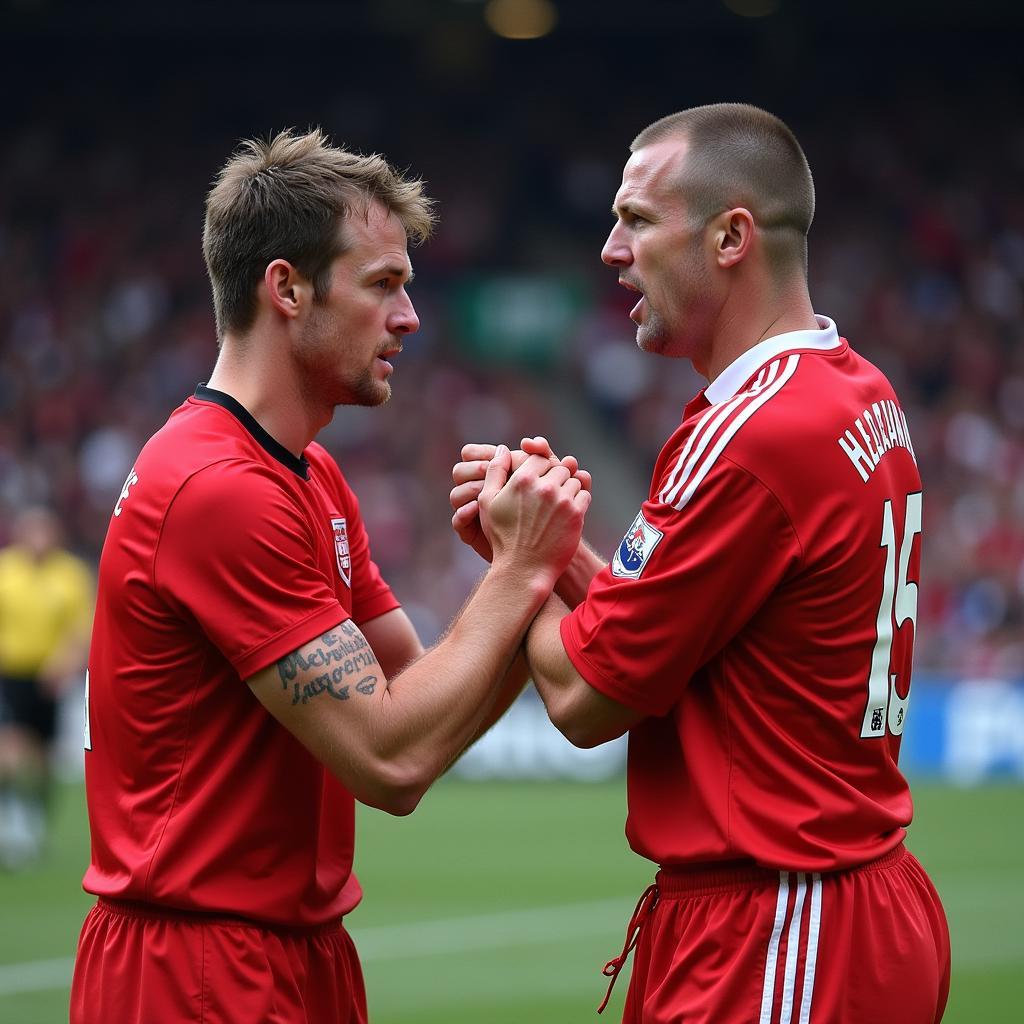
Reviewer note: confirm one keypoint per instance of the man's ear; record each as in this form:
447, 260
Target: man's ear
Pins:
734, 235
287, 290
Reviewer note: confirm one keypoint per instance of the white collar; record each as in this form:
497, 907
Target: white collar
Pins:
741, 369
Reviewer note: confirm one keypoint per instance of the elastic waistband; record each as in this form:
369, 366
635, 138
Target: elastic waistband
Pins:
681, 881
155, 912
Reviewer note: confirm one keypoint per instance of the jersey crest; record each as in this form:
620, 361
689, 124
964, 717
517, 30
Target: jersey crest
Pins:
636, 547
341, 550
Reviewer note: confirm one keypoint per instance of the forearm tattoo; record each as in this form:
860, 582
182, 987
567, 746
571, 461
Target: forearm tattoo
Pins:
343, 654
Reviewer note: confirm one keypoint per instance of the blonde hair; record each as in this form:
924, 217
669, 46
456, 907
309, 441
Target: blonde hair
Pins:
286, 198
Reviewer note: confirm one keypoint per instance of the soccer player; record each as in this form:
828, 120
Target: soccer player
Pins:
753, 632
251, 674
46, 596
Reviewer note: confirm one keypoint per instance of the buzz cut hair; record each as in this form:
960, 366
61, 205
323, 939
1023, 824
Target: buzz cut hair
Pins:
741, 155
287, 197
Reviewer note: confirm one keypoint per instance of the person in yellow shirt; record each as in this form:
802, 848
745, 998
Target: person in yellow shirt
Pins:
46, 604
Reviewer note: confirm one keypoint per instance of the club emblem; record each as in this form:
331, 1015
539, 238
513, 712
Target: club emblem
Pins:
636, 547
341, 550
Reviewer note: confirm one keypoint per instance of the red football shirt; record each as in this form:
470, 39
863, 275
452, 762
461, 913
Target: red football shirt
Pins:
760, 610
225, 553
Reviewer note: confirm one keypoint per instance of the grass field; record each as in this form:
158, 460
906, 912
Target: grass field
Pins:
499, 902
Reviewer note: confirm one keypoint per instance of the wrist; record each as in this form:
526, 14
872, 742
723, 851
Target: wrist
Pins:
535, 582
574, 582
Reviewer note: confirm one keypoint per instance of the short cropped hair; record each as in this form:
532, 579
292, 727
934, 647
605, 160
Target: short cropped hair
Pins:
286, 198
741, 155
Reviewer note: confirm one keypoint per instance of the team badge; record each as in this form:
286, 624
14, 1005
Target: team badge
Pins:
341, 550
636, 547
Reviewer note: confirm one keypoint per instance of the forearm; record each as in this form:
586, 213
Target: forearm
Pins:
573, 584
434, 708
516, 678
387, 740
584, 715
547, 662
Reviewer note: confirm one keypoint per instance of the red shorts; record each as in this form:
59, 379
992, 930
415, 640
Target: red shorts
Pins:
751, 946
141, 965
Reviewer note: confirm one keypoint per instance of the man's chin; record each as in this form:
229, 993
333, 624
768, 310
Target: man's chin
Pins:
648, 339
376, 393
368, 393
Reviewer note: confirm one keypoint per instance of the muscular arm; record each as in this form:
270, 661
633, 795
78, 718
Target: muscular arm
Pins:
584, 715
396, 644
388, 737
394, 641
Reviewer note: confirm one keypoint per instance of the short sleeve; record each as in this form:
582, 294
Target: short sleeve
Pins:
682, 584
371, 596
237, 554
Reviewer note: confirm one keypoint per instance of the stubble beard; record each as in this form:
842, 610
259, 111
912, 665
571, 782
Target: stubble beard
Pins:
366, 390
690, 300
360, 388
650, 335
319, 357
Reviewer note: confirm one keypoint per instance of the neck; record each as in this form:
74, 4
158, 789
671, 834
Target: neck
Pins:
269, 391
742, 324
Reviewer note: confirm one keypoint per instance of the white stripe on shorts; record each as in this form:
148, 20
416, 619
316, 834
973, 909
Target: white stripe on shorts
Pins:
813, 928
793, 950
771, 960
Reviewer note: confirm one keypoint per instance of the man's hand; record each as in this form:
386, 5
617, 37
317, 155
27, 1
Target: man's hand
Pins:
532, 517
469, 474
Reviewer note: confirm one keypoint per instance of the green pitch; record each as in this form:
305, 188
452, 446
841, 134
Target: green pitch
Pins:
499, 903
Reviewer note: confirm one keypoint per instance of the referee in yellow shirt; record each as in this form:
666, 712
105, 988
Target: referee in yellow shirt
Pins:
46, 604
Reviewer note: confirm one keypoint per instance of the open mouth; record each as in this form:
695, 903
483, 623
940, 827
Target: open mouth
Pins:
636, 313
385, 357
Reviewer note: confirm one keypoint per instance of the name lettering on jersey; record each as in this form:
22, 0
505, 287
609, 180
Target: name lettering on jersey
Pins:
880, 428
341, 550
636, 547
130, 482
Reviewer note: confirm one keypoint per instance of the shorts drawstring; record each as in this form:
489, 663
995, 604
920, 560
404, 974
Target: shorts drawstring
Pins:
647, 902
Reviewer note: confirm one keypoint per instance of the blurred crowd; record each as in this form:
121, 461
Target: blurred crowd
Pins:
917, 253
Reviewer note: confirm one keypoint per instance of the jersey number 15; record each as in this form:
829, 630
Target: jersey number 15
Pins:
885, 708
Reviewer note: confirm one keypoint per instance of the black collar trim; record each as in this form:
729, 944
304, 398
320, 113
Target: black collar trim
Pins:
299, 466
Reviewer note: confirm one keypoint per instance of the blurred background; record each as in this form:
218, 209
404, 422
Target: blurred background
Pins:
519, 114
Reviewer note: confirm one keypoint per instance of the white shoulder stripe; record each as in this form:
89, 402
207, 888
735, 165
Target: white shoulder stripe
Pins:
701, 437
678, 492
688, 447
705, 431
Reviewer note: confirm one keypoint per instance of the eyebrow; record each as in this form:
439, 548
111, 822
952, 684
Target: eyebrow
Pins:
629, 206
393, 270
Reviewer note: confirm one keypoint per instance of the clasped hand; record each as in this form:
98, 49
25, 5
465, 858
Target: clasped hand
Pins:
525, 504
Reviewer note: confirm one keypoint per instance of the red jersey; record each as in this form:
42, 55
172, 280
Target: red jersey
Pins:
225, 552
761, 611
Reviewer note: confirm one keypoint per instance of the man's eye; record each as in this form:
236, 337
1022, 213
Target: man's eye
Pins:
384, 283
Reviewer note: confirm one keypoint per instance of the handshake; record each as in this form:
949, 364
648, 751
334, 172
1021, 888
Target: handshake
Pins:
522, 508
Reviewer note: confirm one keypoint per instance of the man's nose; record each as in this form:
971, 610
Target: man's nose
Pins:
615, 252
405, 320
